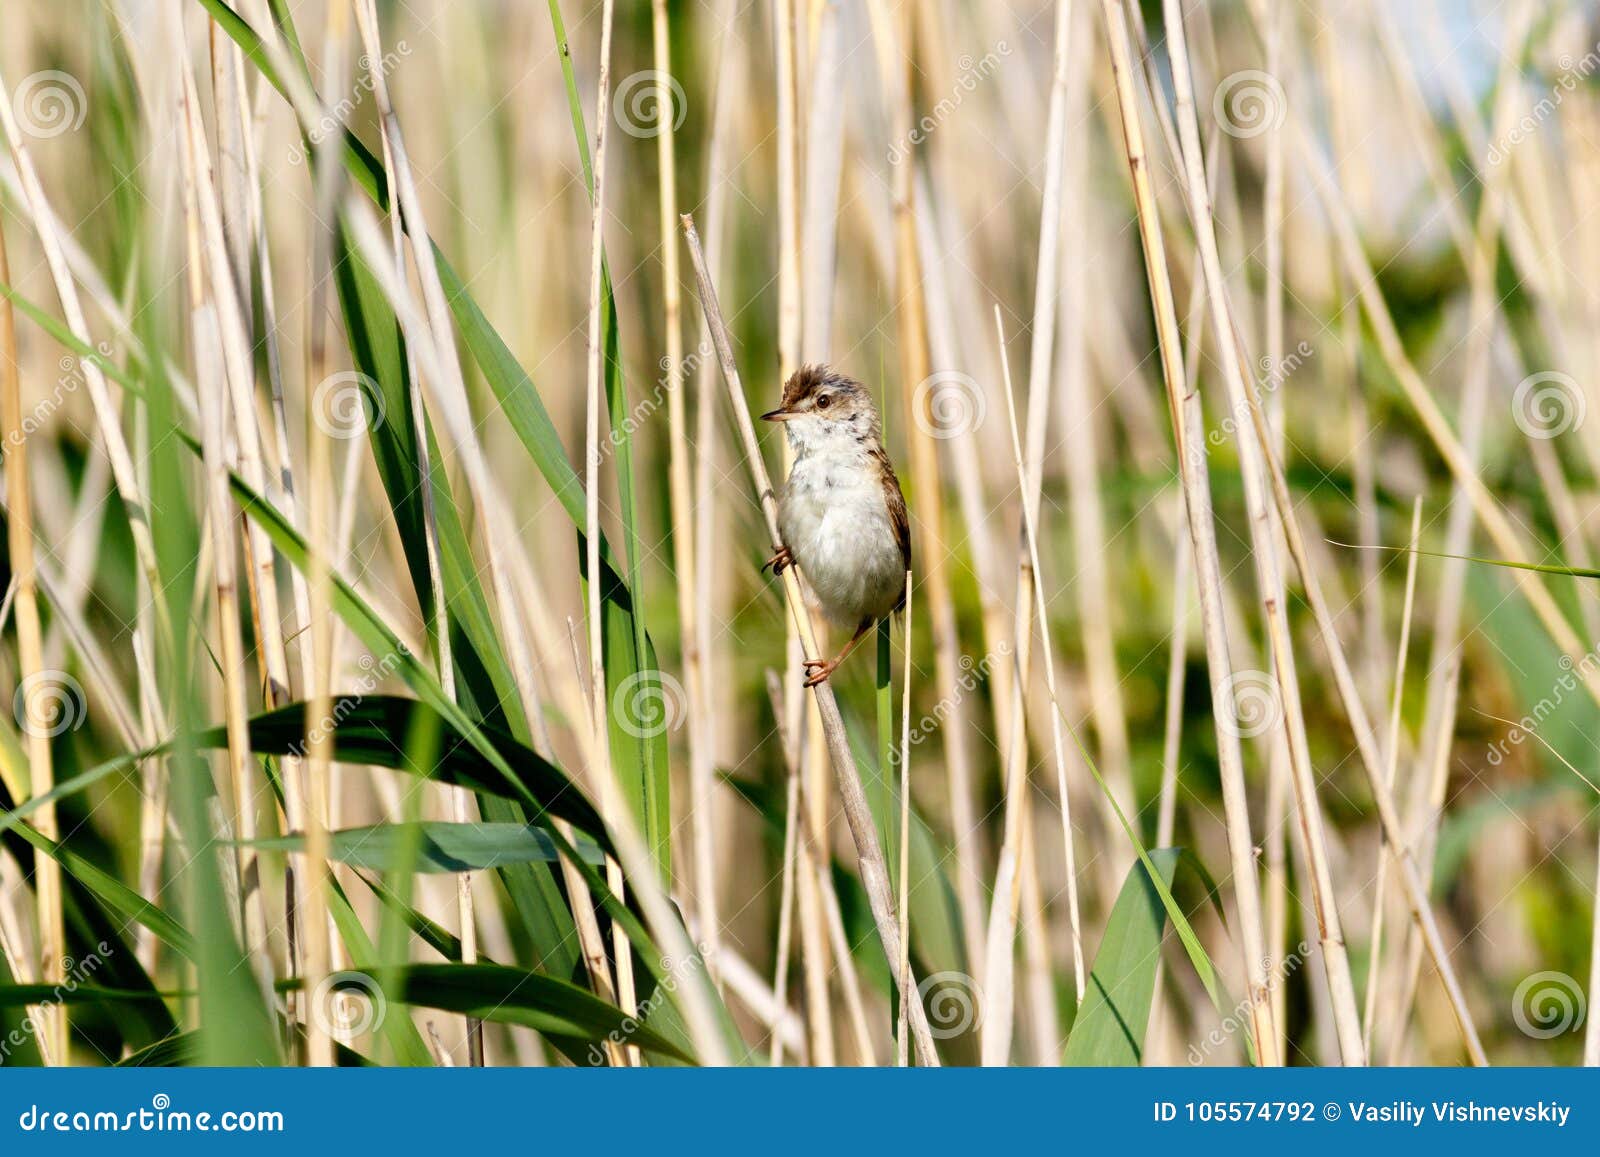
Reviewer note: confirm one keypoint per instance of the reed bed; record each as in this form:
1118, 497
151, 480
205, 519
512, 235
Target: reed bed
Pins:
394, 677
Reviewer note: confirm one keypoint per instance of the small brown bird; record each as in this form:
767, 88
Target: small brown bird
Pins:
841, 513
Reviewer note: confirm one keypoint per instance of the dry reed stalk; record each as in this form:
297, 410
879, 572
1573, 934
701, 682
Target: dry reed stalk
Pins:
226, 242
1017, 892
1371, 659
293, 770
895, 64
902, 1038
1031, 484
1079, 404
849, 978
1486, 506
1478, 251
460, 800
12, 940
1582, 132
1435, 778
107, 417
448, 399
873, 868
731, 69
313, 924
1269, 579
52, 1018
1392, 750
1188, 429
231, 321
791, 826
804, 290
680, 488
1365, 739
967, 477
1278, 787
600, 721
213, 399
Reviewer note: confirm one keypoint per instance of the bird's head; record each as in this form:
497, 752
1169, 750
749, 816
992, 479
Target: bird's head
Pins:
820, 403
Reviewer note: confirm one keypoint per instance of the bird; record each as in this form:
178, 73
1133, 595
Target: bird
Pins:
841, 516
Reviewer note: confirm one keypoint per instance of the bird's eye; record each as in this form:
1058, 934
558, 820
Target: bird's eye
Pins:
824, 402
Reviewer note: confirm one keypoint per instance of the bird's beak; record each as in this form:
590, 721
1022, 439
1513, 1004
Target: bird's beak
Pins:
777, 415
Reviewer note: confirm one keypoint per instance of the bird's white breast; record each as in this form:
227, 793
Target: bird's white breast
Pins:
835, 521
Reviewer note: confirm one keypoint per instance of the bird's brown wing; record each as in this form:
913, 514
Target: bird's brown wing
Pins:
896, 502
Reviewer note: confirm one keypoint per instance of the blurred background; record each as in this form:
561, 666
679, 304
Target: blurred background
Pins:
230, 337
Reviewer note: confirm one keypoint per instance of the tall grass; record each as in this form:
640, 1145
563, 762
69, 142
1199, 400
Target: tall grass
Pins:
394, 678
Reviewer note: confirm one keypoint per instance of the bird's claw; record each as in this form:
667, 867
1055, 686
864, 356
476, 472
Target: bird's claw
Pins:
779, 562
818, 670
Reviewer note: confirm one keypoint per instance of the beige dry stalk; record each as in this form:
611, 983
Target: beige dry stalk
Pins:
1187, 426
873, 867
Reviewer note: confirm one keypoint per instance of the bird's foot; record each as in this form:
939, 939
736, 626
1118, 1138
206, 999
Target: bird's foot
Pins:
779, 561
818, 670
